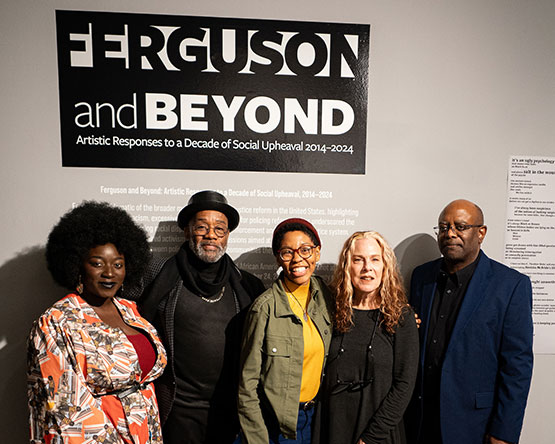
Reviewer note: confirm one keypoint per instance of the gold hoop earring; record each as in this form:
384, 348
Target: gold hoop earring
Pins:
80, 286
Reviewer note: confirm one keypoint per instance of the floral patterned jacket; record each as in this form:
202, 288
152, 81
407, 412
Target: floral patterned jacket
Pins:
84, 380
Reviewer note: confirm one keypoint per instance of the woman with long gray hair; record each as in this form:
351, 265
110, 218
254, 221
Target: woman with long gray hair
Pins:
373, 357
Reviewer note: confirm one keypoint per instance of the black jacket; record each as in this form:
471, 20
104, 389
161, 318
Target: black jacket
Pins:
160, 311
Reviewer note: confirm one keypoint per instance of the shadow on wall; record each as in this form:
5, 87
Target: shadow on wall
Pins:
27, 290
414, 251
167, 239
260, 262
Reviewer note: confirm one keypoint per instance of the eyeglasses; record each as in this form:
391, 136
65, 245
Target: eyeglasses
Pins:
368, 377
350, 386
203, 230
305, 251
457, 228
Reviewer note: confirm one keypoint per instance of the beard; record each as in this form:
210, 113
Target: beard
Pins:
207, 256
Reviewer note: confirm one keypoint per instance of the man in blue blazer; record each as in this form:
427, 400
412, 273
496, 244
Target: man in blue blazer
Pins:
475, 339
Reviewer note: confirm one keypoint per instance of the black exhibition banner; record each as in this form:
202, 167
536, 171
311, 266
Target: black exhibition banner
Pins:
183, 92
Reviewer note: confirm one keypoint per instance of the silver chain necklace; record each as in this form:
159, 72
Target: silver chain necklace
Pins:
212, 301
290, 293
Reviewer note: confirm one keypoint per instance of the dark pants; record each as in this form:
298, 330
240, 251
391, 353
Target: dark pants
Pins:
304, 430
431, 426
193, 426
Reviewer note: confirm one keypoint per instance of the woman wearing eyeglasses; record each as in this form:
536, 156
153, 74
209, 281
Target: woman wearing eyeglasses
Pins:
373, 356
285, 341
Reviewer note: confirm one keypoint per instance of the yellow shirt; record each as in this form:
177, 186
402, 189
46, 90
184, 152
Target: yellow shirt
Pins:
313, 345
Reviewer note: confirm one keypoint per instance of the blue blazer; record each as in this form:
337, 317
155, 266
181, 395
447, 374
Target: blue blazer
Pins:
487, 368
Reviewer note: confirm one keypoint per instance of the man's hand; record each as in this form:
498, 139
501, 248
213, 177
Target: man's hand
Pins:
418, 320
491, 440
360, 441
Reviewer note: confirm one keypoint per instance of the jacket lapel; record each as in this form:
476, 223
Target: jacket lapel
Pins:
475, 293
428, 293
281, 303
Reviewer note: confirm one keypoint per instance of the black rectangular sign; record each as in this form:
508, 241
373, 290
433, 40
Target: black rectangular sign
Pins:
181, 92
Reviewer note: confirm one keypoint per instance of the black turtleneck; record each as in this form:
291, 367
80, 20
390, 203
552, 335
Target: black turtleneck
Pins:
202, 278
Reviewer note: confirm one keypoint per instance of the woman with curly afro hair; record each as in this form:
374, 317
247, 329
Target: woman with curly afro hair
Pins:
373, 356
92, 358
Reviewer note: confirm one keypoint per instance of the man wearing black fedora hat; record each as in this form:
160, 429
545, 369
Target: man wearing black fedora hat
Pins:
196, 300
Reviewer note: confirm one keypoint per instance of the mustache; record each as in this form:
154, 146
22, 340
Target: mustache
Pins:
450, 244
210, 244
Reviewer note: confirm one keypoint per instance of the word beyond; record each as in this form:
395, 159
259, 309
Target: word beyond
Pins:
166, 112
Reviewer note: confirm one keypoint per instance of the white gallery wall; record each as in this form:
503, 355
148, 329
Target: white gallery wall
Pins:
455, 89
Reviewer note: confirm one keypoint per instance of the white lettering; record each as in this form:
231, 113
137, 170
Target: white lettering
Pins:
188, 112
159, 111
328, 107
308, 121
228, 112
273, 111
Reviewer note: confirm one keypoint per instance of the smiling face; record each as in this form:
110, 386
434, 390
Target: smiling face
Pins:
103, 272
366, 268
297, 271
207, 247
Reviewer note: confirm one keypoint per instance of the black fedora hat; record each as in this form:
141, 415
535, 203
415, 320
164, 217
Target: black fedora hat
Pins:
208, 200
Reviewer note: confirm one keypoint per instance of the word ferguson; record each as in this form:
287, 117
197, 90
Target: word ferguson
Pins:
213, 48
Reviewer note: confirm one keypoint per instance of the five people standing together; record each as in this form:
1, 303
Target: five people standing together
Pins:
300, 362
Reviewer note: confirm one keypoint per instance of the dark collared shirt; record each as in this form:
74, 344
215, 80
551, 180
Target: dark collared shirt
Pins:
448, 297
450, 291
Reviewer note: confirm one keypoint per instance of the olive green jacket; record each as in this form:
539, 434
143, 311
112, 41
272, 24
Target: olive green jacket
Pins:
272, 359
